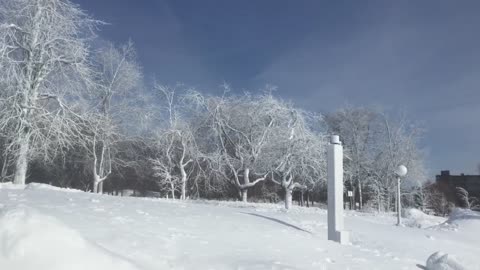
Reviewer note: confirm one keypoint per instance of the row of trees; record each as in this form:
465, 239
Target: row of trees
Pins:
235, 142
375, 145
75, 112
57, 92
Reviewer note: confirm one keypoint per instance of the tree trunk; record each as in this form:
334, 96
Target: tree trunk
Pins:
3, 174
302, 200
360, 196
354, 197
95, 181
96, 177
378, 201
197, 188
172, 190
244, 193
288, 198
183, 195
389, 203
246, 181
99, 173
22, 161
308, 199
352, 188
184, 183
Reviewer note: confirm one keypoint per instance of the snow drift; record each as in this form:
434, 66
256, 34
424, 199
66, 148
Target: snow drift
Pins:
460, 215
39, 186
417, 219
30, 240
462, 219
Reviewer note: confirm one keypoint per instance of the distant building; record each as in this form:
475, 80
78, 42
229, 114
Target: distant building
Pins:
448, 183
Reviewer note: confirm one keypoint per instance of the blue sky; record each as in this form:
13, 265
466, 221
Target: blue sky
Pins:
422, 57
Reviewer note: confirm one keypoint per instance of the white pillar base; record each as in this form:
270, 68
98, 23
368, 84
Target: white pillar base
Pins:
341, 237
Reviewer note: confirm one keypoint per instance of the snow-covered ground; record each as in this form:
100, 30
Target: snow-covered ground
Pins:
49, 228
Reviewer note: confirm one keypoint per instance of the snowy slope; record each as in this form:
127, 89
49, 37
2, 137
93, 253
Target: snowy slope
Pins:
50, 228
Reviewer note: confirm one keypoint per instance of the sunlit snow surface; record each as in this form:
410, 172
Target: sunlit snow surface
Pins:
42, 227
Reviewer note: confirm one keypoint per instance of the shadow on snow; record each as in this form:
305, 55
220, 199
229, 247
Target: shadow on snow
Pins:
278, 221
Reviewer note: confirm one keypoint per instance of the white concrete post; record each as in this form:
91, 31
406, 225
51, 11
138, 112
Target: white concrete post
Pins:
336, 230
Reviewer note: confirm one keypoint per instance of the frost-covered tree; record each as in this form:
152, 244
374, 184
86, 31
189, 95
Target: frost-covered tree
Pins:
436, 201
6, 160
118, 79
242, 127
396, 143
303, 168
375, 144
43, 58
354, 126
177, 149
297, 152
467, 201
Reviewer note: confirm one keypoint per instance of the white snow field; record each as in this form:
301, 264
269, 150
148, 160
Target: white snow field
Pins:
42, 227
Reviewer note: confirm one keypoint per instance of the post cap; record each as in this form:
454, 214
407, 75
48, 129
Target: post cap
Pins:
335, 139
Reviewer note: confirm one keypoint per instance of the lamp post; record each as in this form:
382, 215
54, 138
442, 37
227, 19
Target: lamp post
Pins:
400, 172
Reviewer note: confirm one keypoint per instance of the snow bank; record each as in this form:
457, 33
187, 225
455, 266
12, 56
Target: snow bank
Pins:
459, 215
442, 261
39, 186
10, 185
36, 186
29, 240
464, 219
418, 219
